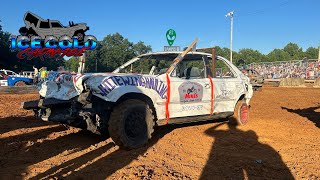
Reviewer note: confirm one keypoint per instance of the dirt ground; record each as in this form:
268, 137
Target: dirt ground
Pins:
281, 141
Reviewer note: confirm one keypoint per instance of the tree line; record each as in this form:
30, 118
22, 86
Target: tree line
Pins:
290, 52
115, 50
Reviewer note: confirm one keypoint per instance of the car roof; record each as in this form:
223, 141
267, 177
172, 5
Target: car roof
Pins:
170, 55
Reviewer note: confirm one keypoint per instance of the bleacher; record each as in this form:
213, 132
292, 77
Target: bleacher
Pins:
304, 69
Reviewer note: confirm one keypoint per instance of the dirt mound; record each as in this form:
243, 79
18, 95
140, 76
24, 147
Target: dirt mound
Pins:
281, 140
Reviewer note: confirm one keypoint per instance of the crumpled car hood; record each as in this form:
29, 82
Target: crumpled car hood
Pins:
61, 87
66, 86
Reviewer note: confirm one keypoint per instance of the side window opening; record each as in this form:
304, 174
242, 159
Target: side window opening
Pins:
147, 66
44, 24
56, 25
191, 69
162, 67
222, 69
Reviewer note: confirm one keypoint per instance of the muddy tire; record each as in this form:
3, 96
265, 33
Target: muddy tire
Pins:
20, 83
241, 113
131, 124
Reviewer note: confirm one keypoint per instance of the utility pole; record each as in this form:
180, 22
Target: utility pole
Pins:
230, 14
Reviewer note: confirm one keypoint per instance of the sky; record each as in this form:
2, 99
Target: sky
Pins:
260, 25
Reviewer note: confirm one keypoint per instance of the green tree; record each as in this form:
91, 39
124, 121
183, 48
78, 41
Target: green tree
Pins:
141, 48
224, 52
249, 55
8, 59
294, 51
72, 64
113, 51
312, 53
94, 61
278, 55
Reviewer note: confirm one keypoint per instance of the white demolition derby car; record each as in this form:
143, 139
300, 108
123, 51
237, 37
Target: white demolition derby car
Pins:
147, 91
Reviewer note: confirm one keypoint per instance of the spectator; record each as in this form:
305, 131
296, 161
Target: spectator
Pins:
293, 69
43, 73
35, 74
61, 69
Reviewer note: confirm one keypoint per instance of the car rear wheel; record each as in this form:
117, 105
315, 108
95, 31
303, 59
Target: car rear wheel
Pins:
20, 83
241, 113
131, 124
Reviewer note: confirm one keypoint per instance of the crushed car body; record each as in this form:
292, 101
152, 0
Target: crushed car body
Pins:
256, 79
149, 90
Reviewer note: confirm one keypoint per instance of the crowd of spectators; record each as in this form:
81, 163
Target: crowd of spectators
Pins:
291, 69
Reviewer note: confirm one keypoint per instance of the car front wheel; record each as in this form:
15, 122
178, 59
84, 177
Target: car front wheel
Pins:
131, 124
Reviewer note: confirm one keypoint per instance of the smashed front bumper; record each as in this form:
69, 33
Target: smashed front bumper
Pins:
51, 109
44, 103
78, 112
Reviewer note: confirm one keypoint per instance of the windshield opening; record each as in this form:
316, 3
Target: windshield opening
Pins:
147, 66
32, 19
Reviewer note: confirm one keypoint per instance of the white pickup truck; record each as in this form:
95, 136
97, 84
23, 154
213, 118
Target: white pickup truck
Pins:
147, 91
